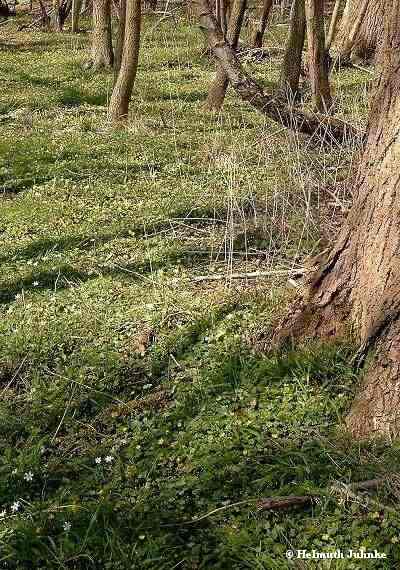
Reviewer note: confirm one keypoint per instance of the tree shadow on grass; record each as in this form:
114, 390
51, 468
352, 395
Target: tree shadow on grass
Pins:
41, 247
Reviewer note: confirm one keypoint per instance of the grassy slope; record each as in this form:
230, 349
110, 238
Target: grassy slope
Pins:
101, 231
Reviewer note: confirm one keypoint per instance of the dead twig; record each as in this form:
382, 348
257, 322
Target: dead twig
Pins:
252, 275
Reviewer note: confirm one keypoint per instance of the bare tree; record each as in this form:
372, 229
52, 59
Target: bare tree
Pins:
317, 59
102, 50
120, 38
357, 287
122, 92
76, 12
333, 25
257, 39
217, 91
291, 65
271, 106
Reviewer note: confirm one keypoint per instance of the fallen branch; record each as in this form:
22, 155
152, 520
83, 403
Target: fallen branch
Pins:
342, 490
252, 275
271, 106
276, 503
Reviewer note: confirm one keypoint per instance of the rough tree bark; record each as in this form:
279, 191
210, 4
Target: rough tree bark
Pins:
121, 95
291, 65
217, 90
328, 128
361, 29
257, 39
318, 68
357, 288
102, 50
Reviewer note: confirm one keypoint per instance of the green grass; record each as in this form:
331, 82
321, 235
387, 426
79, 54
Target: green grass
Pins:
109, 348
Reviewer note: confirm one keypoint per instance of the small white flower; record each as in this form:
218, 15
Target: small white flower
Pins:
35, 283
14, 471
17, 296
109, 458
28, 476
15, 506
67, 526
97, 460
3, 514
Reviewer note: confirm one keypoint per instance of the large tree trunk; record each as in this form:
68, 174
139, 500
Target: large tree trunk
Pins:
291, 65
121, 95
102, 51
217, 91
257, 39
361, 29
317, 58
357, 289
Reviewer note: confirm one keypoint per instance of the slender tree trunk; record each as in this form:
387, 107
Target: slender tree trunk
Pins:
317, 60
217, 91
56, 16
121, 95
357, 288
76, 12
291, 65
257, 40
102, 51
333, 25
223, 16
120, 38
361, 29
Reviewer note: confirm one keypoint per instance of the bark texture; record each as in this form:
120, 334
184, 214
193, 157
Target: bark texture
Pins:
273, 107
217, 91
258, 36
361, 29
357, 288
291, 65
122, 92
317, 60
102, 50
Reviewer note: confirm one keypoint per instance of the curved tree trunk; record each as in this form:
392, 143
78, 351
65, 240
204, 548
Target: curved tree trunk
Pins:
217, 91
121, 95
361, 29
291, 65
257, 39
357, 289
317, 58
102, 51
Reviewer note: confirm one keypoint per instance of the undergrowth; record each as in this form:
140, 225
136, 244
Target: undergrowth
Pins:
135, 400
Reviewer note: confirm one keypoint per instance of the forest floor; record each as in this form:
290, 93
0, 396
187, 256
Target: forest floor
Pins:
135, 399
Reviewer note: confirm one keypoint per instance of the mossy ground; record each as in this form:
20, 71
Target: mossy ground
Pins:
109, 349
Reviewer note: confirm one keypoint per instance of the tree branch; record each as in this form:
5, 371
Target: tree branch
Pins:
271, 106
